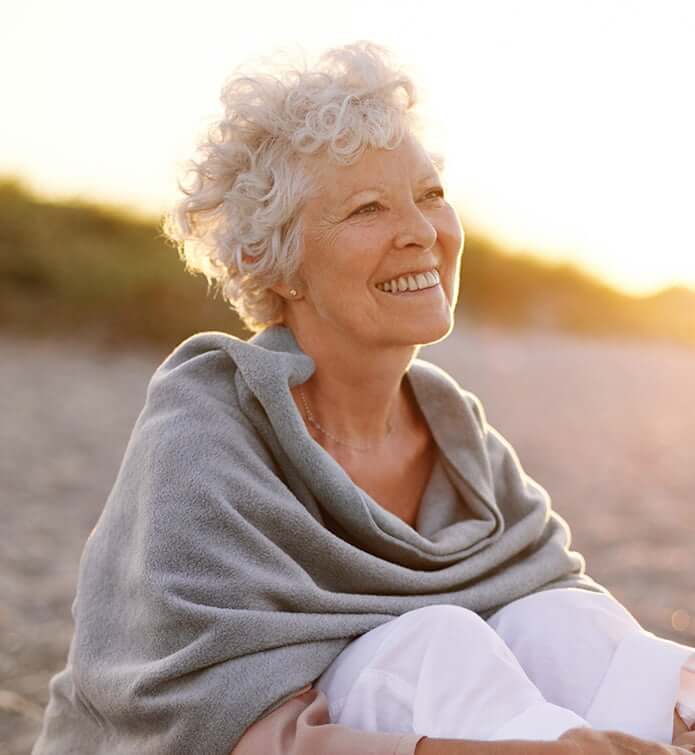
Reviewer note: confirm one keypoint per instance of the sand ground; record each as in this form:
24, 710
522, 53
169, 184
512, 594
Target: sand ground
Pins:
608, 428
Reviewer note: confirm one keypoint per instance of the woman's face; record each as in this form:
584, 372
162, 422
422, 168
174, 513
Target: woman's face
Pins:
383, 217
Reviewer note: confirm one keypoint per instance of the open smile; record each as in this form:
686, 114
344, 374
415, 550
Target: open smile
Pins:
412, 283
417, 292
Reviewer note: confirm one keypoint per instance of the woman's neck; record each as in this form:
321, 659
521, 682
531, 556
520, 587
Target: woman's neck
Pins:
357, 397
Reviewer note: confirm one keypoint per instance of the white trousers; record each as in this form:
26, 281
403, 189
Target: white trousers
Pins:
543, 664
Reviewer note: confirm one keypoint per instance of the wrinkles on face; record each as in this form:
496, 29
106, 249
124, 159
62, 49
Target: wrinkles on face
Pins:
406, 225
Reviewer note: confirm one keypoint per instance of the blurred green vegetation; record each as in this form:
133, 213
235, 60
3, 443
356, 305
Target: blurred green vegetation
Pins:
95, 271
521, 290
85, 269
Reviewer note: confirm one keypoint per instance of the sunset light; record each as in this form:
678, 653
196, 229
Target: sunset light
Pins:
568, 126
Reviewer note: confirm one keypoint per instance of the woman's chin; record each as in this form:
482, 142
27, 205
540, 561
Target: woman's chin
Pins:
434, 334
422, 330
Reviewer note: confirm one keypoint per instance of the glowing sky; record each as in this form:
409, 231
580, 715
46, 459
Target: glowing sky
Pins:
568, 125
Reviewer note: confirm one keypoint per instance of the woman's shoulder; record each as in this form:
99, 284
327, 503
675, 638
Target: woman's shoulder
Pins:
192, 440
202, 359
199, 375
192, 399
210, 362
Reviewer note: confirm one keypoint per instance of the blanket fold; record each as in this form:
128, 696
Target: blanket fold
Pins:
235, 558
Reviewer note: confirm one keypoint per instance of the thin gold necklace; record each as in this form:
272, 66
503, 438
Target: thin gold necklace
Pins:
311, 419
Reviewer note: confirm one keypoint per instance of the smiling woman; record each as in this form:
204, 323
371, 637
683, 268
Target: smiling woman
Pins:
350, 247
241, 222
316, 542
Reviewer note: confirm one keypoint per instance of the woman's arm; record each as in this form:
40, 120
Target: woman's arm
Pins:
427, 746
301, 726
580, 741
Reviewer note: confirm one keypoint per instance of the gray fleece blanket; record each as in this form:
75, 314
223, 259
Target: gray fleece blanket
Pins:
235, 558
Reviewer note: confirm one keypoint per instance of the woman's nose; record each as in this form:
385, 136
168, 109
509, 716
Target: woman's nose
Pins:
414, 228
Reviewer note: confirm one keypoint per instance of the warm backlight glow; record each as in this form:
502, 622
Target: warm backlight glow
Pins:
568, 126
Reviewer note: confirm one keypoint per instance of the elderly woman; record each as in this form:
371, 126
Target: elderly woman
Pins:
316, 543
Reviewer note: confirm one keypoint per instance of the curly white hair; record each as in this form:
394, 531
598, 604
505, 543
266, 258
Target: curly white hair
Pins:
238, 223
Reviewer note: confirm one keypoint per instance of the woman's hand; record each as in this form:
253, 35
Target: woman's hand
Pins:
579, 741
596, 742
679, 726
686, 740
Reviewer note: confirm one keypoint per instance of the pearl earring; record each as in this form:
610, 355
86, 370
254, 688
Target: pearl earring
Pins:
293, 292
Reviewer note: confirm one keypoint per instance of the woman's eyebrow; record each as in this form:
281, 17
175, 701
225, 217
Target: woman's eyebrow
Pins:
381, 189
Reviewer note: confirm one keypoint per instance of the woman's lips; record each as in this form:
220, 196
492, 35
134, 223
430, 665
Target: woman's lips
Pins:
410, 293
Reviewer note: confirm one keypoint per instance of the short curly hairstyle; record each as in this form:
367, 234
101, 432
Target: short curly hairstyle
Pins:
238, 222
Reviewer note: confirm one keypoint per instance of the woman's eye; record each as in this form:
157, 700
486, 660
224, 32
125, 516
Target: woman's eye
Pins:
436, 192
360, 210
367, 208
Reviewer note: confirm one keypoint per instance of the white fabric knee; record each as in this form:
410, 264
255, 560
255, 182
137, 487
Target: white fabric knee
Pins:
443, 672
586, 652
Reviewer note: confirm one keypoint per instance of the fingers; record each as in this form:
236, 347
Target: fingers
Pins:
686, 740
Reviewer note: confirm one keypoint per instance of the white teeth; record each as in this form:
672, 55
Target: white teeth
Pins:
411, 282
